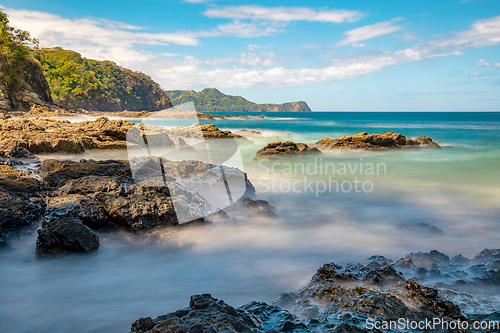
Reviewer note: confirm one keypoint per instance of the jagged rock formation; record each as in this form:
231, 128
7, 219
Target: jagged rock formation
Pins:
384, 141
212, 100
353, 298
288, 148
88, 196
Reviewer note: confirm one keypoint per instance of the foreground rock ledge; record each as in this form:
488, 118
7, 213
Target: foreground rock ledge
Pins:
87, 196
384, 141
40, 135
342, 299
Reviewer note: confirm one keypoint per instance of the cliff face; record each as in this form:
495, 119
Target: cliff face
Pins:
81, 83
22, 82
211, 99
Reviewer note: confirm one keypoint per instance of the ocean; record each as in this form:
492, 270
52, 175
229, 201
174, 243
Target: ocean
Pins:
336, 207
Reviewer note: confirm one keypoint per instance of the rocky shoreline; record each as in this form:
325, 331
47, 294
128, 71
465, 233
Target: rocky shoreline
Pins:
75, 201
355, 298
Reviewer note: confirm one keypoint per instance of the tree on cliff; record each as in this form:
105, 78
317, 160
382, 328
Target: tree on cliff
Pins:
19, 71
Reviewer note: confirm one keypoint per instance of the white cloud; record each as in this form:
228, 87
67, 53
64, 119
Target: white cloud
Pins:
483, 63
123, 43
482, 33
190, 73
284, 14
253, 47
263, 59
310, 46
95, 38
358, 44
455, 53
370, 31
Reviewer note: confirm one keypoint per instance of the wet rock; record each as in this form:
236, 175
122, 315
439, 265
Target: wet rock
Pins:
88, 210
54, 172
363, 140
277, 149
249, 134
258, 207
65, 235
102, 193
431, 260
205, 314
338, 299
21, 198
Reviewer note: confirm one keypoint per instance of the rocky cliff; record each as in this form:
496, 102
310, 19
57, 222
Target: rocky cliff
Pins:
211, 99
22, 82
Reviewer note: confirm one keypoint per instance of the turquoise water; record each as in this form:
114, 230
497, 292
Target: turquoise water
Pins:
418, 200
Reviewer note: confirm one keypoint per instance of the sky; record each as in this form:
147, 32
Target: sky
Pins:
336, 55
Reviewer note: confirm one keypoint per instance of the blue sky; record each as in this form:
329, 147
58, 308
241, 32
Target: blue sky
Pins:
335, 55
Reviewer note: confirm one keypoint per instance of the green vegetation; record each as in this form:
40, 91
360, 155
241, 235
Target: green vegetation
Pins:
77, 82
212, 100
18, 70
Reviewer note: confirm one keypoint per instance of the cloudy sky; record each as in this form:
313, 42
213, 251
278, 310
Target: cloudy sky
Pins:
335, 55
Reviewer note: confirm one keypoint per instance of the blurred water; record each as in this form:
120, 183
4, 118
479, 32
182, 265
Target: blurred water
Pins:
445, 199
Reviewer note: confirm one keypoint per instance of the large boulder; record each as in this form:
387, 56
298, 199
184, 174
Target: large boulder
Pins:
363, 140
288, 148
61, 235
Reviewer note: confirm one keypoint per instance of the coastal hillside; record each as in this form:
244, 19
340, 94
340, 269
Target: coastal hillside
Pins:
77, 82
21, 78
211, 99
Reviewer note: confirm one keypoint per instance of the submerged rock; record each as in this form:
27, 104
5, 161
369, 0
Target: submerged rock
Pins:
61, 235
363, 140
277, 149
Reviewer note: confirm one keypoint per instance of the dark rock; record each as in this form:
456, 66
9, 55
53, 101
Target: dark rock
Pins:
431, 260
88, 210
65, 235
277, 149
21, 198
205, 314
258, 207
338, 299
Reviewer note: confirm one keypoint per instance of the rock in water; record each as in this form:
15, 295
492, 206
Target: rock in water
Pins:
91, 195
21, 198
65, 235
339, 299
363, 140
288, 148
208, 314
